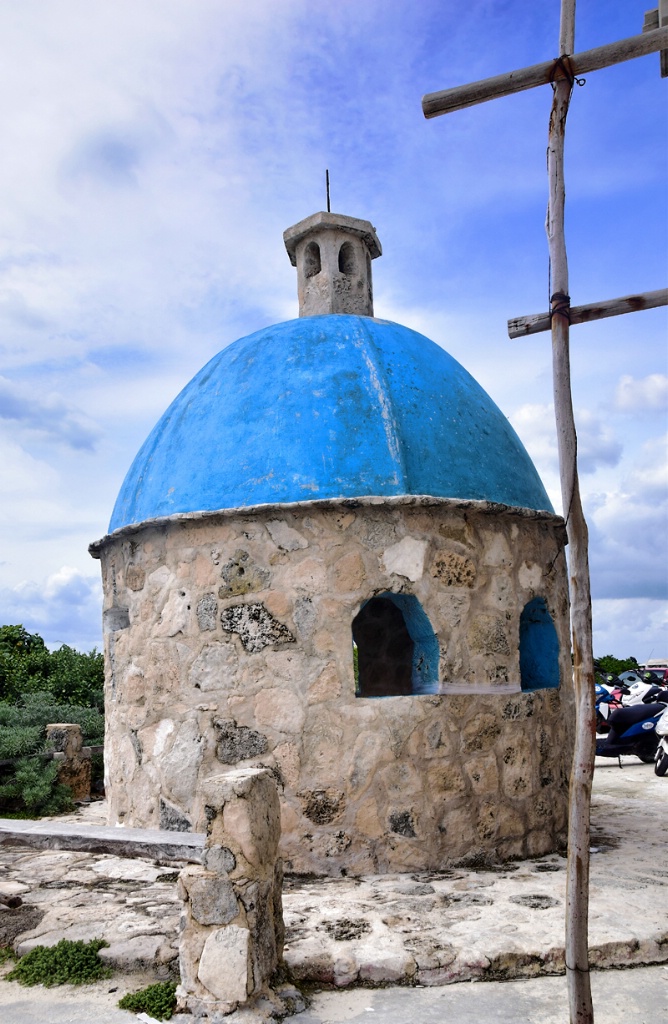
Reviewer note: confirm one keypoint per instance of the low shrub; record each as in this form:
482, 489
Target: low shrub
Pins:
29, 787
67, 963
37, 710
32, 787
158, 1001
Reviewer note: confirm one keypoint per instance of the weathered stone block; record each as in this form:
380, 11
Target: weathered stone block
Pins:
453, 570
480, 733
212, 900
406, 558
348, 574
207, 612
250, 821
488, 635
223, 966
280, 709
483, 773
322, 806
255, 626
242, 576
135, 577
237, 743
172, 819
65, 738
284, 537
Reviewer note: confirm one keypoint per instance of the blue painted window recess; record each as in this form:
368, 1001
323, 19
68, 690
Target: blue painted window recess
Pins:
395, 650
539, 648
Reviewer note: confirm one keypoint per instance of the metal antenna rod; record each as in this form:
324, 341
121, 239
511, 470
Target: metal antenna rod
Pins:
329, 209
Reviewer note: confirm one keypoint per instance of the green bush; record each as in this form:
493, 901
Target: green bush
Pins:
33, 787
67, 963
158, 1001
38, 687
38, 709
17, 740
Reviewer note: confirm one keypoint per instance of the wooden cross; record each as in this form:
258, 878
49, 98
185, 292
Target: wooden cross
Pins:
562, 73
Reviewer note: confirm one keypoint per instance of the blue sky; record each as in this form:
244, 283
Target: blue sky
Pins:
153, 154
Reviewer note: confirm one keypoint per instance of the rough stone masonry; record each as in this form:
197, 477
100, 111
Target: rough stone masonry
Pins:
228, 642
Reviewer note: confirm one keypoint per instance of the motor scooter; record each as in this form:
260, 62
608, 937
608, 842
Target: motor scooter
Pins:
661, 756
632, 731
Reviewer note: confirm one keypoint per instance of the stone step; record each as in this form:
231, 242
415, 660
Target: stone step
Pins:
120, 841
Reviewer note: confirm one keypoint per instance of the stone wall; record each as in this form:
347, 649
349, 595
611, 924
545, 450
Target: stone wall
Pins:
228, 642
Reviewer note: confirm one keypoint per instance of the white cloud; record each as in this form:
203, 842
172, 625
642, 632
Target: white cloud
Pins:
597, 444
64, 608
153, 155
49, 416
645, 395
629, 530
630, 628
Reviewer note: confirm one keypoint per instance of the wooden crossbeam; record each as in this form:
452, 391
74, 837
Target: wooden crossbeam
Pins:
447, 100
520, 326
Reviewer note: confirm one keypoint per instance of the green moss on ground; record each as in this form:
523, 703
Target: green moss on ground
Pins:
158, 1001
67, 963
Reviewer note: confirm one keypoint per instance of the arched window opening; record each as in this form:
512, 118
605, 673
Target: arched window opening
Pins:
347, 259
395, 650
312, 265
539, 647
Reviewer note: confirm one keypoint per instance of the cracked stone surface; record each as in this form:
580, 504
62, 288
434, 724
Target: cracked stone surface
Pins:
426, 928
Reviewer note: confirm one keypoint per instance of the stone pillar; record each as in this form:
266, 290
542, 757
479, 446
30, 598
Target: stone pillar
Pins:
74, 763
231, 938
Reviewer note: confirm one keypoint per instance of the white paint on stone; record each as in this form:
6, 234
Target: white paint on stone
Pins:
160, 578
497, 551
163, 731
285, 537
280, 709
223, 966
180, 765
406, 558
529, 576
214, 668
175, 614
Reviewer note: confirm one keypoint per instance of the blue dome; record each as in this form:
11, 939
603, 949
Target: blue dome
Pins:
334, 406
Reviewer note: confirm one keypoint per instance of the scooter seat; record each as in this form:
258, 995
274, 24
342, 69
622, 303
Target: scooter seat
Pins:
624, 718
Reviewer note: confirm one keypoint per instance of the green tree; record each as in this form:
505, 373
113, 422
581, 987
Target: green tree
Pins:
28, 666
609, 664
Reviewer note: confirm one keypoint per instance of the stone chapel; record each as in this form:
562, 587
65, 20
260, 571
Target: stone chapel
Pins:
333, 557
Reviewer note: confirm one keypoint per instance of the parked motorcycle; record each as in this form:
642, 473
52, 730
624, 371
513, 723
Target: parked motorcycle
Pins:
632, 731
608, 698
613, 693
661, 756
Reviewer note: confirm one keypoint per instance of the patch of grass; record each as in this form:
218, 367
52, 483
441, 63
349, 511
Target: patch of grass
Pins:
67, 963
6, 953
158, 1001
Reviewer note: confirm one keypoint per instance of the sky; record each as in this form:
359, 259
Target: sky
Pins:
155, 150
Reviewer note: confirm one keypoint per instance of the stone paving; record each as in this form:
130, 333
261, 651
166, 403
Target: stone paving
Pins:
422, 929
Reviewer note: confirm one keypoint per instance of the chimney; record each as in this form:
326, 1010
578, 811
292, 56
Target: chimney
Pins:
332, 254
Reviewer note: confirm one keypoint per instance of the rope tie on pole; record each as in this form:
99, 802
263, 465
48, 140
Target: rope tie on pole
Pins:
560, 304
578, 970
563, 64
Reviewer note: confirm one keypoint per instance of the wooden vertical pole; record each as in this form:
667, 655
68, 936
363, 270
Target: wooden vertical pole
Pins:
577, 882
